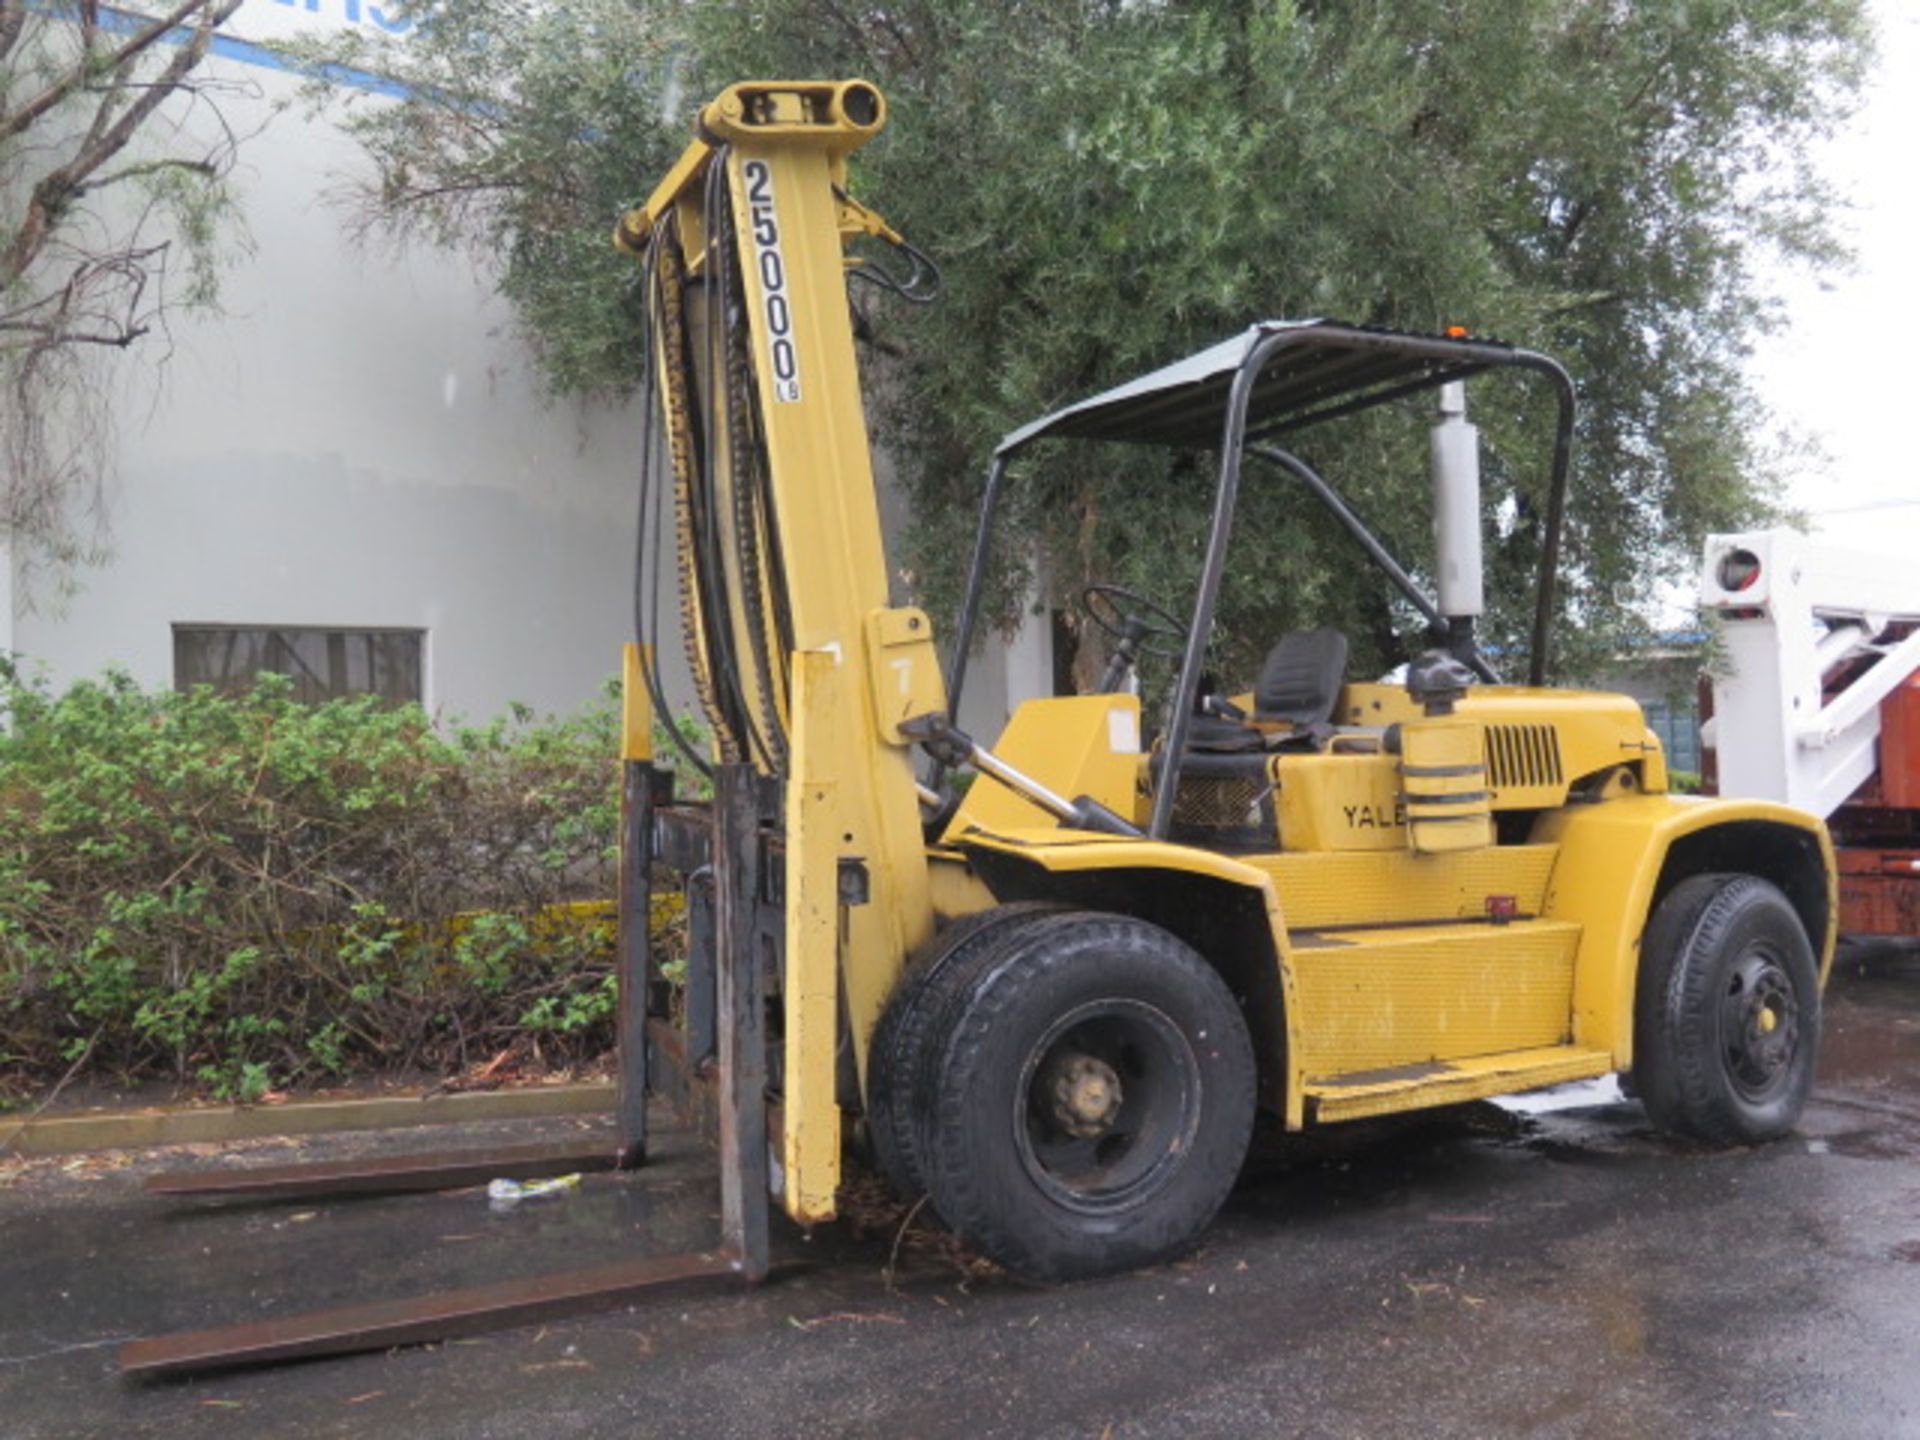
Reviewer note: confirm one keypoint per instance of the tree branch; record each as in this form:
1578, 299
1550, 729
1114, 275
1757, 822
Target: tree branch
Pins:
59, 312
89, 68
150, 167
1586, 302
62, 335
57, 188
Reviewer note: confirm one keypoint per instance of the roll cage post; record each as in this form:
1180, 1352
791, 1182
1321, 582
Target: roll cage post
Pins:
1336, 505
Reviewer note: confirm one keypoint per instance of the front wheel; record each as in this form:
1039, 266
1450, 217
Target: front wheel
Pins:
1090, 1108
1727, 1020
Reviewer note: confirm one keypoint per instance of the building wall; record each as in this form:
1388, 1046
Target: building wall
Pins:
359, 441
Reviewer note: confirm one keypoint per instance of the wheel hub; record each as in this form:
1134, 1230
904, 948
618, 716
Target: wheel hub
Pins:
1086, 1094
1762, 1025
1107, 1105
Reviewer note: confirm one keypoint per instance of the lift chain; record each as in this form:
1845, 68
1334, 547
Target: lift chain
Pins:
671, 358
756, 534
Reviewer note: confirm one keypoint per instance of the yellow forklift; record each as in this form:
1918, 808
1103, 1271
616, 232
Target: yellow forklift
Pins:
1057, 1005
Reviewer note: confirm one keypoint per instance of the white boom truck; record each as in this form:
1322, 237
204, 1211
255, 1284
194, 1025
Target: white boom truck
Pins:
1818, 704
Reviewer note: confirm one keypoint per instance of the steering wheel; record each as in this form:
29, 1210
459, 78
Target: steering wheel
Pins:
1128, 618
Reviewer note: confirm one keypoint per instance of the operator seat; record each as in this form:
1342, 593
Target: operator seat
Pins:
1299, 685
1301, 677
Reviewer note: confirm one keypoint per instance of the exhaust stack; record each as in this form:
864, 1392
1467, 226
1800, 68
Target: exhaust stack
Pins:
1455, 449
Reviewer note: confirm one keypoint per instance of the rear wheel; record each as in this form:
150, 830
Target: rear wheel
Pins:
1089, 1107
1727, 1020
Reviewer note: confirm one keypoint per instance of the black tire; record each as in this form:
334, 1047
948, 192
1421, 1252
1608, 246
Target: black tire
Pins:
1089, 1107
895, 1056
1727, 1018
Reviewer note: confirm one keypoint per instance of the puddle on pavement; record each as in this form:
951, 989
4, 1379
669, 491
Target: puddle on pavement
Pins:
1604, 1136
187, 1265
1894, 1141
1371, 1164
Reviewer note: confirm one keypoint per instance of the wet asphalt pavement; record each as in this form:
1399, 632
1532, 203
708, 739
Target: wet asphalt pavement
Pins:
1475, 1274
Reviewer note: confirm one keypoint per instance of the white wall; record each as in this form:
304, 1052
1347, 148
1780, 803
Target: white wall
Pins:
357, 441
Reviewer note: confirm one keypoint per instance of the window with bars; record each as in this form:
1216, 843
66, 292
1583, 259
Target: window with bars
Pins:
324, 664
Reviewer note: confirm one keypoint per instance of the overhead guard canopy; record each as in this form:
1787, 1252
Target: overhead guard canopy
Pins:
1320, 370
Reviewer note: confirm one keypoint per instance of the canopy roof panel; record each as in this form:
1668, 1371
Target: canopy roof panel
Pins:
1319, 369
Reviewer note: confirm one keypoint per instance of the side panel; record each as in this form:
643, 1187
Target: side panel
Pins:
1340, 803
1076, 745
1538, 741
1608, 877
1329, 891
1419, 994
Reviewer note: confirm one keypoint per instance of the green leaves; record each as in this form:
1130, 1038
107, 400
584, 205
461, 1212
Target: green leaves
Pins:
1605, 182
239, 890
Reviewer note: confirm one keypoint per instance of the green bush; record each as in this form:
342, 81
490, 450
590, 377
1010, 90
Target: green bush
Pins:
240, 891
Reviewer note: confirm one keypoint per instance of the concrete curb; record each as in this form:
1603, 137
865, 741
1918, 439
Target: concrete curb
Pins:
133, 1129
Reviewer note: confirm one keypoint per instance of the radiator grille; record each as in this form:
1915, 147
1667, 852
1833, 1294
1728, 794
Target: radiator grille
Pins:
1521, 757
1226, 802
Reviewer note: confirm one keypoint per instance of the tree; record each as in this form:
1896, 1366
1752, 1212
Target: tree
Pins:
1109, 185
110, 196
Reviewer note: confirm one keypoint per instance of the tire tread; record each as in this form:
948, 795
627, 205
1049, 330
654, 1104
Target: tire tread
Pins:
911, 1015
1677, 1066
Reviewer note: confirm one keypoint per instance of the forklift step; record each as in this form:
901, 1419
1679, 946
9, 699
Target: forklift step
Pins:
1446, 1082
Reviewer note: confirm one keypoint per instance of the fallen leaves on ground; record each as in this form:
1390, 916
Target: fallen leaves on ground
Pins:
869, 1207
851, 1317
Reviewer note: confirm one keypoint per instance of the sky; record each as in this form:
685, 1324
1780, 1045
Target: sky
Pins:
1847, 372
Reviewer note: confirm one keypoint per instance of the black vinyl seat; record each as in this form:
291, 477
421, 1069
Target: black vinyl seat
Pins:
1299, 685
1214, 735
1301, 677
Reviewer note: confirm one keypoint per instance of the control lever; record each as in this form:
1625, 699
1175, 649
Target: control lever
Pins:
953, 747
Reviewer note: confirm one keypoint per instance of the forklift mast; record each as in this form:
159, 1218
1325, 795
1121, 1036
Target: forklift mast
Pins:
803, 669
